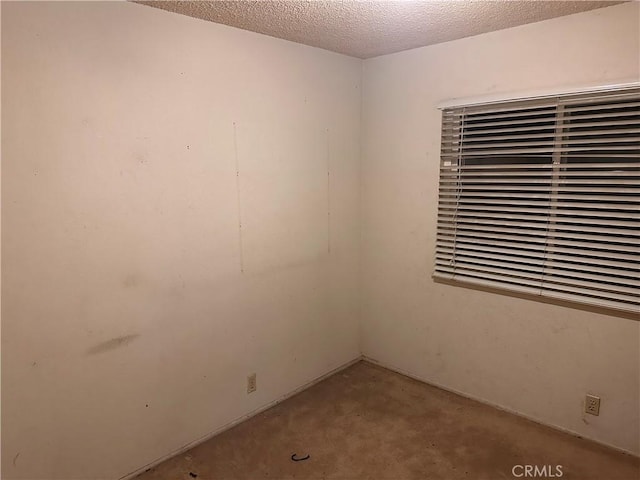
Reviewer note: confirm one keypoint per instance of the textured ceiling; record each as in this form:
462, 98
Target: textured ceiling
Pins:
368, 28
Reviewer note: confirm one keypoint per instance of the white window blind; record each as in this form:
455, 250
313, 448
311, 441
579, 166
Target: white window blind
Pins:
542, 197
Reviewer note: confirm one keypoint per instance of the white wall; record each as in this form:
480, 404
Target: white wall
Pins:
534, 358
128, 328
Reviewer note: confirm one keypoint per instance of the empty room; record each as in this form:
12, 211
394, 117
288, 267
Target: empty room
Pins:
385, 240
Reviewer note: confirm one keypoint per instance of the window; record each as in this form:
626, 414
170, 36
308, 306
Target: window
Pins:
542, 197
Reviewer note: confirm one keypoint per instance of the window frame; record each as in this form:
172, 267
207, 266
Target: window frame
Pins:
558, 165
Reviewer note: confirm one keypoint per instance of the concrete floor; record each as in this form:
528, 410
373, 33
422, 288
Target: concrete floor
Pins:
367, 422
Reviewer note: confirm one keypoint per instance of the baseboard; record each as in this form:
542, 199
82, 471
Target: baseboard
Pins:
241, 419
495, 405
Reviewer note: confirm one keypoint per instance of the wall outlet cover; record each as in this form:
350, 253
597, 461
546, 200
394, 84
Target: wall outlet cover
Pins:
252, 384
592, 405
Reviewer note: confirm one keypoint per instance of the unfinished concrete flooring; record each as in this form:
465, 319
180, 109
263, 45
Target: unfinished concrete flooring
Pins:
367, 422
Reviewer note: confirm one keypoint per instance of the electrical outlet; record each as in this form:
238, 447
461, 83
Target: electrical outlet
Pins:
252, 385
592, 405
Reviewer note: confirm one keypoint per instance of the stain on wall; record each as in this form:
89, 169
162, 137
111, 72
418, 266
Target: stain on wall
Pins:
112, 344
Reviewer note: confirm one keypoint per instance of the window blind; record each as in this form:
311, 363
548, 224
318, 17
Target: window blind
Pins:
542, 197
